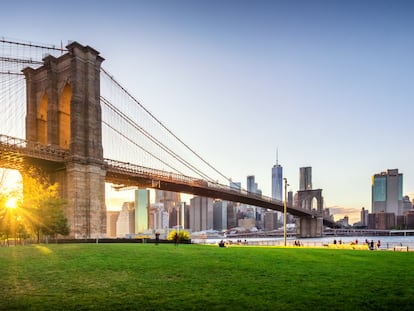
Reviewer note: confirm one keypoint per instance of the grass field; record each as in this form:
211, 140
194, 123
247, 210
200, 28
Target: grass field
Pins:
196, 277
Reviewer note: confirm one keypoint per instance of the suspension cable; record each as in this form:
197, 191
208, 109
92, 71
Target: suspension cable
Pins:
142, 148
41, 46
154, 140
163, 126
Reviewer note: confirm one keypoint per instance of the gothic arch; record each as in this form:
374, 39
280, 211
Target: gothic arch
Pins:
64, 117
41, 120
311, 200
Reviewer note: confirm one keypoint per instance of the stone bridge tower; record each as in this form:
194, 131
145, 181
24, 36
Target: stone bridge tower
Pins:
63, 111
310, 226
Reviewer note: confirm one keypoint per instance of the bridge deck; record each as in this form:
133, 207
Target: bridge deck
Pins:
17, 153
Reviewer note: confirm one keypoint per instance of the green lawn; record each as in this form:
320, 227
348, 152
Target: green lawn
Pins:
196, 277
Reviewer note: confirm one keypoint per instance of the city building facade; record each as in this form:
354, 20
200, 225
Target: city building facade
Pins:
125, 224
277, 182
387, 192
220, 215
172, 205
201, 214
111, 220
381, 221
364, 217
270, 221
142, 205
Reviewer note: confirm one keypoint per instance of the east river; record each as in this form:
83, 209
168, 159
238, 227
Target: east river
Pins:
387, 242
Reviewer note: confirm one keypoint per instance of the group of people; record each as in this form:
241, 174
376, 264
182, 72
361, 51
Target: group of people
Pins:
239, 242
371, 244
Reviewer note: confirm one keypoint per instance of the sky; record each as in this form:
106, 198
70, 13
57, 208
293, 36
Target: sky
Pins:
329, 84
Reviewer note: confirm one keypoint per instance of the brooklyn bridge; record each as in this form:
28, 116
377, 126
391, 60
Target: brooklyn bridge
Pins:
70, 118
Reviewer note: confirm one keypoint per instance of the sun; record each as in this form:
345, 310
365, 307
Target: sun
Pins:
11, 203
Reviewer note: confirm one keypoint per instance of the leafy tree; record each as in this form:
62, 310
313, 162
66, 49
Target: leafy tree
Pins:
183, 235
5, 225
43, 207
10, 220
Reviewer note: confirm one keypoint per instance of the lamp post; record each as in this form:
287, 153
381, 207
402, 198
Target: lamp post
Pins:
284, 212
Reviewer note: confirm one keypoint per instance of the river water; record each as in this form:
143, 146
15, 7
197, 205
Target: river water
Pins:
387, 242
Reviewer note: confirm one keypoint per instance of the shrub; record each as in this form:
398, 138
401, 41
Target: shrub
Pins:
183, 235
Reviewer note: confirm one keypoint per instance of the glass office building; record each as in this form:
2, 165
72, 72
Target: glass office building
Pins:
277, 182
387, 192
142, 204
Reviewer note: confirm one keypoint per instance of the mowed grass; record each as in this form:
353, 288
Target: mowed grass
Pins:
197, 277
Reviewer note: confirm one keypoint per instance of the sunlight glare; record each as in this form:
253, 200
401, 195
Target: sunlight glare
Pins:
11, 203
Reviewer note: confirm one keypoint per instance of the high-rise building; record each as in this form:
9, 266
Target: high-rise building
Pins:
277, 181
111, 220
201, 214
220, 215
142, 205
305, 178
126, 220
364, 217
290, 198
232, 209
270, 221
381, 221
407, 204
172, 204
387, 192
159, 217
251, 184
257, 211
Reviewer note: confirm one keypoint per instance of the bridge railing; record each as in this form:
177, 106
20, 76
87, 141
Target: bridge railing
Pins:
145, 172
18, 147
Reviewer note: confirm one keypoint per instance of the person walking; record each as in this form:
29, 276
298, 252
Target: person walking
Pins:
176, 239
157, 238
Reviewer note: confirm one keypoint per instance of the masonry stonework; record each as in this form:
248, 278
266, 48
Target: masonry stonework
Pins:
63, 110
310, 226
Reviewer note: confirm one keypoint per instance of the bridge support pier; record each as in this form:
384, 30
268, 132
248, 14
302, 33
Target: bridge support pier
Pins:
85, 186
309, 227
64, 111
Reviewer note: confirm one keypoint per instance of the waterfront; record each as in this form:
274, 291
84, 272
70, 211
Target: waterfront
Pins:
387, 242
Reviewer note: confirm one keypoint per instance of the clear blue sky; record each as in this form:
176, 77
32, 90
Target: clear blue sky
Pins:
328, 83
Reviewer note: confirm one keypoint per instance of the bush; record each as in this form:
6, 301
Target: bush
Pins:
183, 235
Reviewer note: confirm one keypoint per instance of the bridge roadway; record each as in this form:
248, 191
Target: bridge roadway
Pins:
17, 153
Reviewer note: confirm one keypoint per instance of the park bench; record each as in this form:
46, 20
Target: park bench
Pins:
401, 248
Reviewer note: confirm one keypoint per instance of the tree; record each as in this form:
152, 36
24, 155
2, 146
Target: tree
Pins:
10, 220
183, 235
43, 206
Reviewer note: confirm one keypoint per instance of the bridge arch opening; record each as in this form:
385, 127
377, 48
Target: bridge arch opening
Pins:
314, 203
42, 120
64, 117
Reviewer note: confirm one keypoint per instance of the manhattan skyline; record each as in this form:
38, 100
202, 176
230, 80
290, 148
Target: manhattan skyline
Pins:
328, 83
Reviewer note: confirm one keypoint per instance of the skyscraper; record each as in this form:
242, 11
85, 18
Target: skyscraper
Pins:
172, 204
387, 192
251, 184
277, 181
201, 214
142, 204
254, 188
305, 178
364, 217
